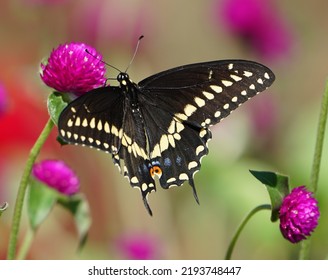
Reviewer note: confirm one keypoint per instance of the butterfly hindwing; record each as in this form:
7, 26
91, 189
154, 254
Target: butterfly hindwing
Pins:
133, 154
176, 148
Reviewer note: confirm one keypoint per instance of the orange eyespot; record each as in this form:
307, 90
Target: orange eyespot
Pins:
155, 170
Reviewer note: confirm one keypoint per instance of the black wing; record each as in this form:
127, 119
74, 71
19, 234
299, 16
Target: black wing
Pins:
94, 119
179, 105
103, 119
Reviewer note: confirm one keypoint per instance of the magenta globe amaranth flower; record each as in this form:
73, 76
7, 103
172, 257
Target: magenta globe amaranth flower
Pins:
258, 23
71, 69
138, 247
299, 214
57, 175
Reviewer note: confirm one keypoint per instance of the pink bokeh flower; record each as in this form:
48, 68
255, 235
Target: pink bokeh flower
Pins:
258, 23
71, 69
57, 175
138, 247
299, 214
111, 22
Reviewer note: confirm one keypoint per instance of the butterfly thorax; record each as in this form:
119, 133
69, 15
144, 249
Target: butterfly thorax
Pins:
129, 89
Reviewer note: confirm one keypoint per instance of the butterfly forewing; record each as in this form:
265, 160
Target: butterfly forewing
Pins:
207, 92
95, 119
161, 126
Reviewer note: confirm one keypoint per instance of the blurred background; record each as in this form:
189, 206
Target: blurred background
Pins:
275, 131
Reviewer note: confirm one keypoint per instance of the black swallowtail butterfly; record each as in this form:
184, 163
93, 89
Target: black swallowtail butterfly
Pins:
160, 126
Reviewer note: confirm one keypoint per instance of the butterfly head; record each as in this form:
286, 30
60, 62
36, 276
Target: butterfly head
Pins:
124, 80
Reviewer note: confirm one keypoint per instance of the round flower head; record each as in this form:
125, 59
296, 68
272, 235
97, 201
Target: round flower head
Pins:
138, 247
57, 175
258, 23
71, 69
299, 215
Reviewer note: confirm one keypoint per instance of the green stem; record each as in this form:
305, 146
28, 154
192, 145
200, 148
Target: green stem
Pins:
305, 245
242, 225
26, 244
23, 186
319, 142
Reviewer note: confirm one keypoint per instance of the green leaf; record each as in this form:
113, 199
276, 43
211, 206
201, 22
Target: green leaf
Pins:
277, 186
79, 207
56, 104
3, 208
41, 200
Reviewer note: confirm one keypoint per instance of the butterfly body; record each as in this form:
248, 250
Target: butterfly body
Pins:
160, 126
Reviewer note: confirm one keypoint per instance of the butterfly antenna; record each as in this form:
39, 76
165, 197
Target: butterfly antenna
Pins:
135, 52
89, 53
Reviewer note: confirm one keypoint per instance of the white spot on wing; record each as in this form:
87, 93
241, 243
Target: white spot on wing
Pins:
180, 127
202, 133
236, 78
199, 149
93, 123
77, 121
164, 142
260, 81
144, 187
85, 123
200, 102
189, 110
171, 128
106, 127
183, 176
99, 125
134, 180
171, 180
171, 140
181, 116
248, 74
114, 130
156, 151
208, 95
217, 114
226, 106
70, 123
217, 89
192, 165
227, 83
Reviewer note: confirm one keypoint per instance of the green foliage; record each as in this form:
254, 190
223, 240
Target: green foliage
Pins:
79, 207
277, 186
42, 199
56, 104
